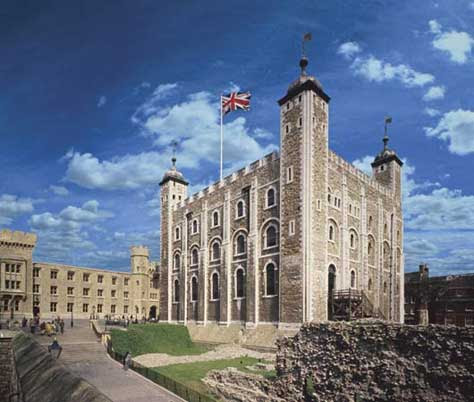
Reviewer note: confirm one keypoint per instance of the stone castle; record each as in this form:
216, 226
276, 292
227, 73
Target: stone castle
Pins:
30, 288
273, 243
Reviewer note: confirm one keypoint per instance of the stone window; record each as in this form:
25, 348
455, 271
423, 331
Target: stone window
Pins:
270, 238
7, 267
17, 305
100, 292
85, 277
239, 283
215, 286
385, 288
287, 128
353, 239
194, 288
177, 261
113, 293
100, 278
371, 221
36, 273
70, 307
125, 281
85, 292
125, 295
331, 232
291, 227
112, 308
385, 230
176, 291
240, 210
99, 308
53, 306
215, 251
85, 307
353, 279
7, 284
177, 233
114, 280
54, 274
289, 174
194, 256
240, 244
299, 98
300, 122
370, 284
36, 288
70, 291
54, 290
125, 309
215, 219
195, 226
70, 275
270, 279
271, 197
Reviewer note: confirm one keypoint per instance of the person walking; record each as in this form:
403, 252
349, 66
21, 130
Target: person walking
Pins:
127, 360
61, 326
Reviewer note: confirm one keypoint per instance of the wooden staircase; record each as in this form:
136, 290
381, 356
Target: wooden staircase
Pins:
351, 304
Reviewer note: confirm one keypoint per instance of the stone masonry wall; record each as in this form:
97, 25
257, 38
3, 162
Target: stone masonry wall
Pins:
6, 368
374, 361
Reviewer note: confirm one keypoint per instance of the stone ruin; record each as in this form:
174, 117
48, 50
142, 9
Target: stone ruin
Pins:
362, 361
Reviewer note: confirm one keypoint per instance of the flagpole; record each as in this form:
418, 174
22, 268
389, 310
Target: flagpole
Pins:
222, 140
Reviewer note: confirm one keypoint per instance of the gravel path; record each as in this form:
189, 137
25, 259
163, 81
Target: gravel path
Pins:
219, 353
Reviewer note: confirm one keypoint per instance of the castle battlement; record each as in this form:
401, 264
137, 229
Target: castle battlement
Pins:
139, 251
17, 238
339, 161
252, 167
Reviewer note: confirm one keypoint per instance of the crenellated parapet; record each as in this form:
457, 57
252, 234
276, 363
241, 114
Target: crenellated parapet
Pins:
17, 239
139, 251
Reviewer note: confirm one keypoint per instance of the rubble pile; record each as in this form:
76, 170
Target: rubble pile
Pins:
376, 361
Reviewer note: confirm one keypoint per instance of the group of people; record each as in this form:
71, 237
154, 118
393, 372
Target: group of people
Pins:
54, 327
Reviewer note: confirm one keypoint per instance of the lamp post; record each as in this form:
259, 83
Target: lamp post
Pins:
72, 318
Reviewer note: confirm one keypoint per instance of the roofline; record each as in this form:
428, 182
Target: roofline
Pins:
307, 85
168, 178
386, 160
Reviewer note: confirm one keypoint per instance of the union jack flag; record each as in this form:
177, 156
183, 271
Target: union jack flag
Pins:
234, 101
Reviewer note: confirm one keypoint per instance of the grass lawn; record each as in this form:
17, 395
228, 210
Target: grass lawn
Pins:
191, 374
155, 338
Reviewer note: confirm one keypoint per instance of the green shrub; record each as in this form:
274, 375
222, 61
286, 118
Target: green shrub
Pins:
140, 339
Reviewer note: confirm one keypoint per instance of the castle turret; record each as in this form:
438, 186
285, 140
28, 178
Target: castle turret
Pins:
304, 114
139, 256
173, 190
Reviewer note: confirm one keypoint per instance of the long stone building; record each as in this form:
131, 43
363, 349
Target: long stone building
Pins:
30, 288
274, 242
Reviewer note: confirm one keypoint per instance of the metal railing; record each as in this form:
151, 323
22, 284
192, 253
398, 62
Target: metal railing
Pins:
175, 387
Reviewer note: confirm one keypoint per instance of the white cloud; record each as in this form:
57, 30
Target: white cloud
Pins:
377, 70
12, 206
59, 190
431, 112
193, 123
456, 127
349, 49
457, 44
102, 101
434, 93
471, 5
363, 164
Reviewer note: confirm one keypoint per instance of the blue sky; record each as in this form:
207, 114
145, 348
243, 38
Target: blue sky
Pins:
93, 94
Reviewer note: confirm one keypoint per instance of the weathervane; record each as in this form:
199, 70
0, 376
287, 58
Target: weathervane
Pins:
304, 59
174, 144
388, 120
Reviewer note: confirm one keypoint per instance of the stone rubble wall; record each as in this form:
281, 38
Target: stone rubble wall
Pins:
6, 368
375, 361
42, 379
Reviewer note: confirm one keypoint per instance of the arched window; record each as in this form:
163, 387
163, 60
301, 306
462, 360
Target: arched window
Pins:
385, 230
271, 236
176, 290
177, 261
215, 286
370, 222
240, 244
369, 247
215, 218
271, 198
195, 227
331, 232
352, 240
353, 279
270, 280
240, 211
239, 283
194, 256
370, 284
216, 251
177, 234
194, 288
329, 195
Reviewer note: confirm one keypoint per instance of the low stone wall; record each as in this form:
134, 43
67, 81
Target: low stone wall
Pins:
7, 370
374, 361
42, 379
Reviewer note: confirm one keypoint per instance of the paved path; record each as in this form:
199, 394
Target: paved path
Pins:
84, 355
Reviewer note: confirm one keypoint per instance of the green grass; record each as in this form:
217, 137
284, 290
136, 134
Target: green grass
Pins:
191, 374
268, 374
140, 339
